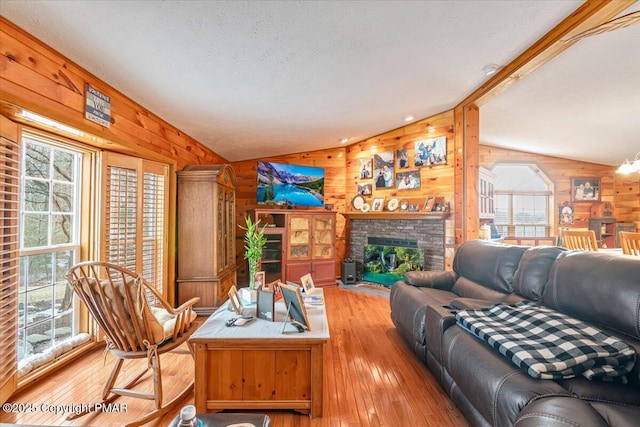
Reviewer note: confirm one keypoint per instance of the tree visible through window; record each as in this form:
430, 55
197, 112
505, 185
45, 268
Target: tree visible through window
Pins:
523, 196
49, 244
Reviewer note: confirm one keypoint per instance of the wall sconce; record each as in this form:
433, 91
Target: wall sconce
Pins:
627, 167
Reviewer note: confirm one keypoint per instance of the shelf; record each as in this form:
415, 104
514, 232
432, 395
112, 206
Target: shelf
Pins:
396, 215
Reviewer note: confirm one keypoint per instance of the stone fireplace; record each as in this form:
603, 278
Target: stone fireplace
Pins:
429, 233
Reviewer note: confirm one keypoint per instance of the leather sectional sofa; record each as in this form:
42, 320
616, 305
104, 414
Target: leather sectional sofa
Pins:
600, 289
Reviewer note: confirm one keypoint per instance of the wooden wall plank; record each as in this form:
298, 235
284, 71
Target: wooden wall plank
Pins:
560, 171
332, 160
38, 78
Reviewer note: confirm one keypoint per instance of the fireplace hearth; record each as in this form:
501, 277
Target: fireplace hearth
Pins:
428, 235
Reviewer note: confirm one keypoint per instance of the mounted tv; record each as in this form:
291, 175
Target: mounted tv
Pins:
291, 185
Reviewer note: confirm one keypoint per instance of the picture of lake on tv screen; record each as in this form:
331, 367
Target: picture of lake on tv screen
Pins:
283, 184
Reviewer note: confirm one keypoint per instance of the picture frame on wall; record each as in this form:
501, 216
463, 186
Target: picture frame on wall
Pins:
430, 151
383, 168
365, 189
408, 180
366, 168
402, 158
565, 212
585, 190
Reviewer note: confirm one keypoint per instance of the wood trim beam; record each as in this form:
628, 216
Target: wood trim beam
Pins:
589, 15
467, 115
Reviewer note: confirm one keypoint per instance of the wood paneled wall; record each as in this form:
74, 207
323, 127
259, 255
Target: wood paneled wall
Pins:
36, 77
332, 160
435, 180
620, 190
627, 198
342, 175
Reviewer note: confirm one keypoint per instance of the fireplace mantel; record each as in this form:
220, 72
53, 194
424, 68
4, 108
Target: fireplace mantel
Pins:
395, 215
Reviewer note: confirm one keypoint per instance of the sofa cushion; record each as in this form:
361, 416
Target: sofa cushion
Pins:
533, 271
492, 265
596, 287
497, 389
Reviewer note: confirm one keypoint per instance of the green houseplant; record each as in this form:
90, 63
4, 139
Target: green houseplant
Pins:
254, 241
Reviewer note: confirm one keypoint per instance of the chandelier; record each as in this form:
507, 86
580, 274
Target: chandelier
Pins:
630, 167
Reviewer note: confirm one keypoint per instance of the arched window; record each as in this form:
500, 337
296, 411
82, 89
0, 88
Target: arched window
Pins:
523, 199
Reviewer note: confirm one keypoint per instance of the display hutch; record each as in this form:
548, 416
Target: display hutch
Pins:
206, 235
486, 183
298, 242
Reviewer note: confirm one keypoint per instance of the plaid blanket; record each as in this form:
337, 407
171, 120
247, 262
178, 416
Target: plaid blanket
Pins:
548, 344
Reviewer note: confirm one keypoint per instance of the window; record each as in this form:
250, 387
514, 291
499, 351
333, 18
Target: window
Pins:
523, 197
135, 216
49, 243
56, 209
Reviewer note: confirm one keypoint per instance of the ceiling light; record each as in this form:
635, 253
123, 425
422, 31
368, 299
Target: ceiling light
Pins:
628, 167
490, 69
431, 129
344, 140
408, 118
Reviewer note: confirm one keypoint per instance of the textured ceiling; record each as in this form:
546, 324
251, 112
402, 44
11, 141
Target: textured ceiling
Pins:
583, 105
254, 79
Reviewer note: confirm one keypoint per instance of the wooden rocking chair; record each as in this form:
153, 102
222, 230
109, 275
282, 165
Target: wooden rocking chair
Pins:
138, 324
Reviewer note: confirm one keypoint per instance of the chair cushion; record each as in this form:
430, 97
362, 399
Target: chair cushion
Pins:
168, 320
128, 303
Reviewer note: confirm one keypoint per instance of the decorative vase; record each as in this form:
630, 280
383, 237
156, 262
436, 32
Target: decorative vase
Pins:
248, 295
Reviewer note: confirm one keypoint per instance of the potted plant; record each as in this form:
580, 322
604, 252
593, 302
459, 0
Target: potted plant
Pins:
254, 241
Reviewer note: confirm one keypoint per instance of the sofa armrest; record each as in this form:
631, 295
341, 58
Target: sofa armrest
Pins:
438, 319
431, 279
559, 411
470, 303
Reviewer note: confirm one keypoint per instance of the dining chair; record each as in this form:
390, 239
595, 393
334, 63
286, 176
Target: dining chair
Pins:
630, 243
138, 323
580, 239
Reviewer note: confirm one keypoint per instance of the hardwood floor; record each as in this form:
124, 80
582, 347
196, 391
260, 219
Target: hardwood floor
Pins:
371, 379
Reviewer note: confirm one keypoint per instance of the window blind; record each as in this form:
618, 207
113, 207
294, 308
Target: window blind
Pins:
136, 216
9, 214
153, 229
122, 206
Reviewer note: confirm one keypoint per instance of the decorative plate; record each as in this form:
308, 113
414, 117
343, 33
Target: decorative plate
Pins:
404, 204
365, 207
393, 204
357, 202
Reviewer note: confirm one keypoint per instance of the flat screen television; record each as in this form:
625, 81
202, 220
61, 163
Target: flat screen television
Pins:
295, 185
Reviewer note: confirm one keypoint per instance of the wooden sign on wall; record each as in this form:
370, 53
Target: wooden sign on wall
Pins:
97, 106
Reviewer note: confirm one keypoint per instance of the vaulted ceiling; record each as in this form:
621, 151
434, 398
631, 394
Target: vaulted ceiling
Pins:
255, 79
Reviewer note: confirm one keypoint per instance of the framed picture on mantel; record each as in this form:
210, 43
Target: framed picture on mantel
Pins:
585, 189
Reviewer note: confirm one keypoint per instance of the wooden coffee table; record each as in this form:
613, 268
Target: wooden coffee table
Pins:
256, 366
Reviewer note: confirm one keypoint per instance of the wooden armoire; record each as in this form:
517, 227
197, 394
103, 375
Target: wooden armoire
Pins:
206, 235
